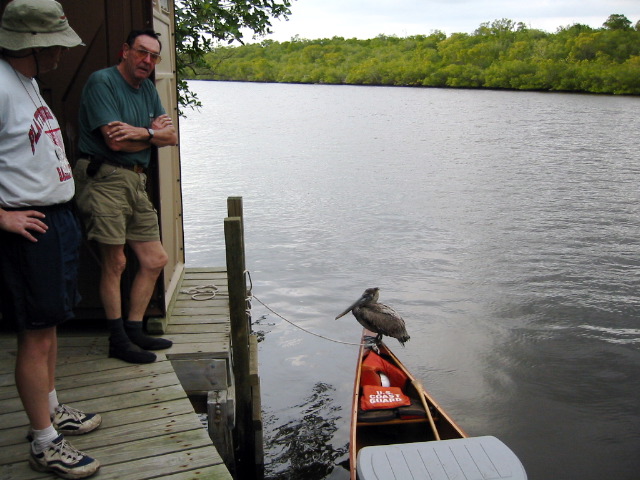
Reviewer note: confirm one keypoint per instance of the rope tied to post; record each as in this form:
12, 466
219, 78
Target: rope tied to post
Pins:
302, 328
247, 277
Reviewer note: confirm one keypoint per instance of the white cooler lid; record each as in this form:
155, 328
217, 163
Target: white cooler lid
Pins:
476, 458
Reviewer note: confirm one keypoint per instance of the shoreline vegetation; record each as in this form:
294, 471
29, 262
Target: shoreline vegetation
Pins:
502, 54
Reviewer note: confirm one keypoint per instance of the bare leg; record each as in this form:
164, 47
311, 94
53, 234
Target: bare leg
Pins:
114, 262
53, 360
152, 258
35, 375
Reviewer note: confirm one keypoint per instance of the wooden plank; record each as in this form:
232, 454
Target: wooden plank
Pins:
15, 419
71, 354
222, 310
110, 368
195, 319
201, 473
216, 345
193, 273
7, 379
193, 279
78, 375
8, 392
8, 347
67, 356
96, 341
202, 302
219, 281
200, 343
7, 363
215, 303
214, 270
214, 328
154, 447
206, 269
196, 338
159, 466
142, 430
221, 350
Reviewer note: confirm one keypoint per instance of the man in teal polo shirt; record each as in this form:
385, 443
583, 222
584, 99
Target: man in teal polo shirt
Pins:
121, 120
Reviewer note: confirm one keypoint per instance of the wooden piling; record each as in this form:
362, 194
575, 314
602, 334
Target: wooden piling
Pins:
248, 465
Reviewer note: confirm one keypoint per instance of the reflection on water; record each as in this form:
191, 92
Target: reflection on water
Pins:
301, 448
503, 226
623, 336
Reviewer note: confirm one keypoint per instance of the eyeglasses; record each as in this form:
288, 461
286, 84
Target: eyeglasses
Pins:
141, 54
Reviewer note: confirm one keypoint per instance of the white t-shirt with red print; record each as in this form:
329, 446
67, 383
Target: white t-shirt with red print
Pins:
34, 170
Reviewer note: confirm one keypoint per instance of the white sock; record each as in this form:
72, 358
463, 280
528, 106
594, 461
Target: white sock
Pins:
42, 438
53, 402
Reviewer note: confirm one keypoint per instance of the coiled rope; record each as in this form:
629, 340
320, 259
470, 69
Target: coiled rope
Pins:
201, 292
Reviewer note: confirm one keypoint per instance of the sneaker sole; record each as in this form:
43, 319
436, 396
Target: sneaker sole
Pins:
33, 463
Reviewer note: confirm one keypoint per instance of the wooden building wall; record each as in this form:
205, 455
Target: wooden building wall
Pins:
103, 26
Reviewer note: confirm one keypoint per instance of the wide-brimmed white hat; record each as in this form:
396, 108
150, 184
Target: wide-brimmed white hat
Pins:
36, 23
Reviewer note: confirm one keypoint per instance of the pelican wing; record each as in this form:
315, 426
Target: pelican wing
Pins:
383, 319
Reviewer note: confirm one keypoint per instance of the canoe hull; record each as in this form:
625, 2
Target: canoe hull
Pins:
366, 432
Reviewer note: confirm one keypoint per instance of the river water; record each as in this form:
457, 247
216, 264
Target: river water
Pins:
503, 226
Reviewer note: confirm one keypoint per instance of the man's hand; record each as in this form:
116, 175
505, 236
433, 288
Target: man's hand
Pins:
165, 132
122, 137
161, 122
21, 222
123, 132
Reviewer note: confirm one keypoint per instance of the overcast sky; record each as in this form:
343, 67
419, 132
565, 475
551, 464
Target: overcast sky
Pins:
313, 19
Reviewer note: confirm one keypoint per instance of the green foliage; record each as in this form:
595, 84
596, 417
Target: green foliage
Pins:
501, 54
200, 25
617, 22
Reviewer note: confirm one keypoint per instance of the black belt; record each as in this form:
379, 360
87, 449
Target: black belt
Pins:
95, 161
133, 168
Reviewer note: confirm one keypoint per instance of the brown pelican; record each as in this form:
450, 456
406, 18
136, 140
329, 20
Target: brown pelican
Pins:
378, 317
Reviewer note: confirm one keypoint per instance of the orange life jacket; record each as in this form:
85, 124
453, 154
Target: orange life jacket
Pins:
374, 364
374, 395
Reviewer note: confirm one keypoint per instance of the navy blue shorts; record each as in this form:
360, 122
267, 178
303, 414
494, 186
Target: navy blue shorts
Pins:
38, 280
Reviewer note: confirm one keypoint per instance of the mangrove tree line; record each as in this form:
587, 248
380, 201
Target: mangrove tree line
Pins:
501, 54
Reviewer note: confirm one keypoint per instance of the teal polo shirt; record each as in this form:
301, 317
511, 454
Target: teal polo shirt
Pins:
107, 97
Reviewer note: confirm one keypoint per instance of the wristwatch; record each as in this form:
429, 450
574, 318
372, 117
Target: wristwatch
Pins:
151, 133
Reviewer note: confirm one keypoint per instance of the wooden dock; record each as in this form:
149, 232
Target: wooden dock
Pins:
150, 428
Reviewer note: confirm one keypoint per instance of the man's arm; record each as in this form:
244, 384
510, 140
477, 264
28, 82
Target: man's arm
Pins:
122, 137
164, 132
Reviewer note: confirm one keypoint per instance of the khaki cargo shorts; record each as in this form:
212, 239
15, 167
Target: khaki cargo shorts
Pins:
114, 205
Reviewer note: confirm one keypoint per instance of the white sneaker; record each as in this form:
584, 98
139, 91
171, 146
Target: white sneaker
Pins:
71, 421
64, 460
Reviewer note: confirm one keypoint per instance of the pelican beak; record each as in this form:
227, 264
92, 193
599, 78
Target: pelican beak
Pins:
355, 304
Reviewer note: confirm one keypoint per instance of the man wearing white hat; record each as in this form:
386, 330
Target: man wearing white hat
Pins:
39, 233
